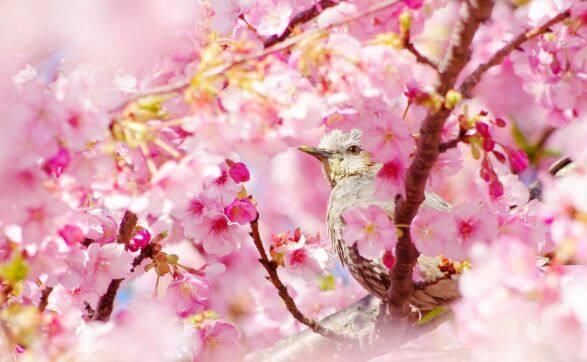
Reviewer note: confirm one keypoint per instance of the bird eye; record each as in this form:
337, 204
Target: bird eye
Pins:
353, 149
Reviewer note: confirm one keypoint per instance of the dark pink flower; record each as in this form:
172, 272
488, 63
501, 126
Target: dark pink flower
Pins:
58, 163
72, 234
140, 240
239, 172
391, 178
495, 189
518, 159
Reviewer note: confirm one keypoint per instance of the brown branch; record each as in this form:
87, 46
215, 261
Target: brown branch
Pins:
147, 252
126, 228
409, 46
300, 18
445, 146
474, 78
472, 14
106, 302
45, 298
271, 268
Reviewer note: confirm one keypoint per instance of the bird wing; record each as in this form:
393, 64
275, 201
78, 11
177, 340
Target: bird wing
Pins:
436, 202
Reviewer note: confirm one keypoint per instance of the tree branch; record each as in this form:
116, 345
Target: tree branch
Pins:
106, 302
271, 268
472, 14
45, 298
126, 228
300, 18
475, 77
409, 46
445, 146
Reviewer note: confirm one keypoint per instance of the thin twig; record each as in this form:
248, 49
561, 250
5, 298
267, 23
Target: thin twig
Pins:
453, 143
445, 146
277, 47
271, 268
473, 13
300, 18
164, 89
409, 46
475, 77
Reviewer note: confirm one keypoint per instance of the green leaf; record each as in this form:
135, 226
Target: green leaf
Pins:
436, 312
15, 270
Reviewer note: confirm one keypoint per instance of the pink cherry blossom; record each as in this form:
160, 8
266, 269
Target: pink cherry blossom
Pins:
390, 179
435, 234
165, 111
473, 224
270, 17
58, 163
218, 341
388, 136
308, 261
241, 211
72, 234
188, 294
370, 229
218, 235
104, 263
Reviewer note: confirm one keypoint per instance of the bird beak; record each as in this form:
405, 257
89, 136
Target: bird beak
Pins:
319, 153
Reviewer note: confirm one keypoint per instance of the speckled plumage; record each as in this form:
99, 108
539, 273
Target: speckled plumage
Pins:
352, 177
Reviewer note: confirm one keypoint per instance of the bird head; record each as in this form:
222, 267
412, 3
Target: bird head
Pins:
341, 155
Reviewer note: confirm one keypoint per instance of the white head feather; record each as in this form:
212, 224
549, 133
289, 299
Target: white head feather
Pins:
338, 141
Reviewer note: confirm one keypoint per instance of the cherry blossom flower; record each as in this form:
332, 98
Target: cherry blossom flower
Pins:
218, 235
104, 263
473, 224
188, 294
270, 17
435, 234
72, 234
218, 341
370, 229
300, 254
58, 163
241, 211
387, 136
390, 179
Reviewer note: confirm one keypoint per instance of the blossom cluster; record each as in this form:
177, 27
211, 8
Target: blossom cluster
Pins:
140, 142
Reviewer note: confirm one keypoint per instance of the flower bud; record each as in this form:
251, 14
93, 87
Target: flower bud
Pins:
482, 128
405, 21
239, 172
495, 189
518, 160
452, 98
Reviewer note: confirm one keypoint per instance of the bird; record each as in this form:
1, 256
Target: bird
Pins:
351, 173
